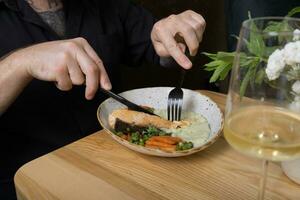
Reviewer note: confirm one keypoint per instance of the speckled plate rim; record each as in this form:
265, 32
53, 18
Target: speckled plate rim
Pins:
157, 152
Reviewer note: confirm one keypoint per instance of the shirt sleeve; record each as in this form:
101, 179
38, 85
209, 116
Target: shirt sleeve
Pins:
137, 24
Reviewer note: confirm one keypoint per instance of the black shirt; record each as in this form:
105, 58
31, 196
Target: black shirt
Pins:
44, 118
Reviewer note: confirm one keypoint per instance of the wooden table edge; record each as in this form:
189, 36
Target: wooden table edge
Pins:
17, 175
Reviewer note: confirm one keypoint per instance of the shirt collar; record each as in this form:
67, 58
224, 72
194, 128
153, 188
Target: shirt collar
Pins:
74, 12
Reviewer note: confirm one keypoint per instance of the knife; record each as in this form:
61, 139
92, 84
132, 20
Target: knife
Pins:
129, 104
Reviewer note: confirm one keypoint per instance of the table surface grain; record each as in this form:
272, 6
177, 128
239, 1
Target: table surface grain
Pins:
96, 167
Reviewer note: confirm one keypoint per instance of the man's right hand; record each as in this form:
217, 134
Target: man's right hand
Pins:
65, 62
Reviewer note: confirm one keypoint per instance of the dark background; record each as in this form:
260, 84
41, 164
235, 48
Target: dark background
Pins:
214, 40
223, 18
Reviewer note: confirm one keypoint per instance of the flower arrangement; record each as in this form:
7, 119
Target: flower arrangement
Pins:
277, 61
287, 61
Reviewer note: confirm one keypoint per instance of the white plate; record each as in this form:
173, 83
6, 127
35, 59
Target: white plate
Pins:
156, 97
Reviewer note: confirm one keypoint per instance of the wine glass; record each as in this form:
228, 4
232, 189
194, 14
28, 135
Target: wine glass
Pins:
262, 117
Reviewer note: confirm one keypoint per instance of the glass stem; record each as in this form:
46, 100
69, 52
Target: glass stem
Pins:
263, 180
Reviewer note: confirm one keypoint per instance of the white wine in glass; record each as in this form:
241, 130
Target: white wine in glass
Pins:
262, 116
275, 137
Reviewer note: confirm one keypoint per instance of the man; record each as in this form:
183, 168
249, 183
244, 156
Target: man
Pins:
77, 47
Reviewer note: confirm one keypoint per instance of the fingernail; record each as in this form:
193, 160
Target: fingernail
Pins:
88, 97
187, 64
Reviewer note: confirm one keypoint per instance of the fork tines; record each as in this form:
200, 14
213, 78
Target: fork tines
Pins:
175, 104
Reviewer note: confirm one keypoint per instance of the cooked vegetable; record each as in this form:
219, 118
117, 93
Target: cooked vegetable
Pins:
166, 139
135, 137
152, 131
146, 130
158, 144
184, 146
140, 138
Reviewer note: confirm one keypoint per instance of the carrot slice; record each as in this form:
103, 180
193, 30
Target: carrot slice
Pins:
166, 139
159, 144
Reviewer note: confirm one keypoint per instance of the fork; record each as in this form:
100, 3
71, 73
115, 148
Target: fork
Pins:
175, 100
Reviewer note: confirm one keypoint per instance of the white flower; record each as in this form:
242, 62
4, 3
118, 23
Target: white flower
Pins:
296, 87
296, 35
275, 65
289, 55
292, 53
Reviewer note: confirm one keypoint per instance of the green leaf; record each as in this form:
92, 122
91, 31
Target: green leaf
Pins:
210, 69
278, 26
250, 76
226, 56
214, 63
256, 43
282, 26
273, 27
260, 75
294, 11
217, 73
210, 55
246, 81
246, 62
225, 72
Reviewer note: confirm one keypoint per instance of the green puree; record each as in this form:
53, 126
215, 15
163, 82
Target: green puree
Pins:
197, 132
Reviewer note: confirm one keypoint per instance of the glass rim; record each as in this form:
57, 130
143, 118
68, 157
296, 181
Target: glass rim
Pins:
246, 22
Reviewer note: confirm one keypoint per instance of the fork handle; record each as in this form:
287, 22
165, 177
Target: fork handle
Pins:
183, 71
182, 75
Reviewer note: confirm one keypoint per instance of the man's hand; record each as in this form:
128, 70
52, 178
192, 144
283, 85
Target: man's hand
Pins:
170, 35
67, 63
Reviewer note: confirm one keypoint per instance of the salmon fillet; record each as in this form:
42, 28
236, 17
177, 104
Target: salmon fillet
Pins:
140, 119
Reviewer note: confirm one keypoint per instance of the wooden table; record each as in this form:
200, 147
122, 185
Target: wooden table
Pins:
96, 167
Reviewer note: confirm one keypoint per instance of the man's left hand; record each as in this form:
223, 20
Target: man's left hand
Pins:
171, 35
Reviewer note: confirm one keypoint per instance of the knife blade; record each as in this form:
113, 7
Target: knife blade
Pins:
129, 104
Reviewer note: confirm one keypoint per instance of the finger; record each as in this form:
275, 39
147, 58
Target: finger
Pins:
200, 20
174, 50
91, 71
76, 75
182, 47
160, 49
104, 79
196, 26
189, 35
63, 81
163, 52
